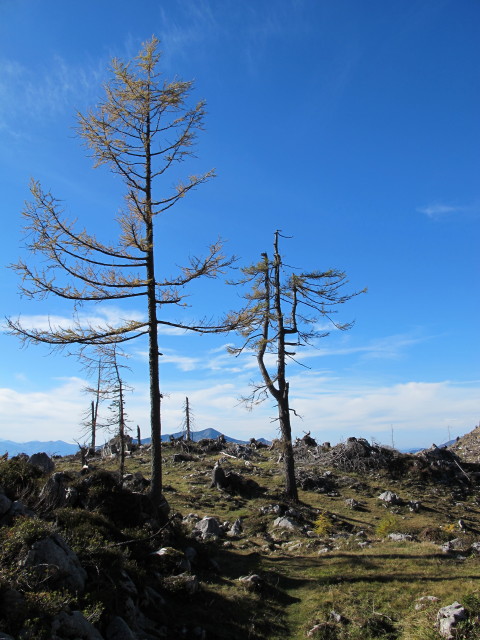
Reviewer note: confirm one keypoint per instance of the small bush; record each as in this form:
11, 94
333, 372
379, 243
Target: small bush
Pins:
388, 524
323, 525
450, 528
21, 535
18, 478
47, 603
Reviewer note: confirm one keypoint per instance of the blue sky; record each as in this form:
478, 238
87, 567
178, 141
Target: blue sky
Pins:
351, 125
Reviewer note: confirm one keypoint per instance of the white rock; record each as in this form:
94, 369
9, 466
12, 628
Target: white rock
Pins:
285, 523
448, 617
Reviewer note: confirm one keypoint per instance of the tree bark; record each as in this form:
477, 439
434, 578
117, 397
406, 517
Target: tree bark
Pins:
153, 353
288, 458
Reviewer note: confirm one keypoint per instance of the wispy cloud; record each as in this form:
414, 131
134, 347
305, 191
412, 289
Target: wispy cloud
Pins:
419, 412
438, 210
46, 91
47, 415
106, 314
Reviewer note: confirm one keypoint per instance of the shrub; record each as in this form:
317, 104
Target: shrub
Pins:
18, 477
22, 534
323, 525
388, 524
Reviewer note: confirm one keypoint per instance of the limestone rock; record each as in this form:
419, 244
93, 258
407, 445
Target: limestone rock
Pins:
390, 498
425, 601
42, 461
182, 584
172, 560
400, 537
448, 618
118, 629
352, 503
53, 557
5, 504
252, 582
285, 523
209, 526
457, 544
19, 509
56, 494
73, 626
236, 528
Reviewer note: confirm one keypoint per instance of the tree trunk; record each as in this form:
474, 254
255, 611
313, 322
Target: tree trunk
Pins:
121, 415
94, 428
282, 394
288, 459
153, 353
187, 420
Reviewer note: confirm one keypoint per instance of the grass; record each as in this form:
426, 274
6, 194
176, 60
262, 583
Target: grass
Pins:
374, 588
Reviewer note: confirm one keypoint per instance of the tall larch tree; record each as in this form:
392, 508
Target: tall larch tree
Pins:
141, 130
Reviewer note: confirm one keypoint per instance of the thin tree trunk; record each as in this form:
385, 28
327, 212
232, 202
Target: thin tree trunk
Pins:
121, 428
187, 419
153, 353
288, 458
282, 396
94, 428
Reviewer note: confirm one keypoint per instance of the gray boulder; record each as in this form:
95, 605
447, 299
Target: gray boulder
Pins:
400, 537
118, 629
42, 461
352, 503
5, 504
457, 544
183, 583
285, 523
52, 559
390, 498
172, 560
19, 509
448, 618
252, 582
73, 626
236, 528
55, 493
209, 526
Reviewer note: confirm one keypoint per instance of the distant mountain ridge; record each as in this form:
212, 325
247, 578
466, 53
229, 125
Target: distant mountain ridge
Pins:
52, 447
210, 434
61, 448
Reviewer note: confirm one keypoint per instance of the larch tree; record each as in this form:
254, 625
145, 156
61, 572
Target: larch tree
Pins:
141, 130
282, 312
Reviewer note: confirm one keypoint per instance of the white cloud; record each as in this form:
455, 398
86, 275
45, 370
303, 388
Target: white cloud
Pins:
438, 210
49, 90
420, 412
43, 415
105, 314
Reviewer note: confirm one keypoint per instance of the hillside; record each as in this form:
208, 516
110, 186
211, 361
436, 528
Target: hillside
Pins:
82, 554
468, 446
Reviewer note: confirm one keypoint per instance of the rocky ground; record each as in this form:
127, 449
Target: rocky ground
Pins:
381, 545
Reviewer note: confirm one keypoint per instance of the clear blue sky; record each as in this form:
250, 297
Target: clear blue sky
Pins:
351, 125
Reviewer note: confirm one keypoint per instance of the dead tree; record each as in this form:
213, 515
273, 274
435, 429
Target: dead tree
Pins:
280, 316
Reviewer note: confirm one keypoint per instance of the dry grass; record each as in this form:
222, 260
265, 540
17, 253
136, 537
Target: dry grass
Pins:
375, 587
